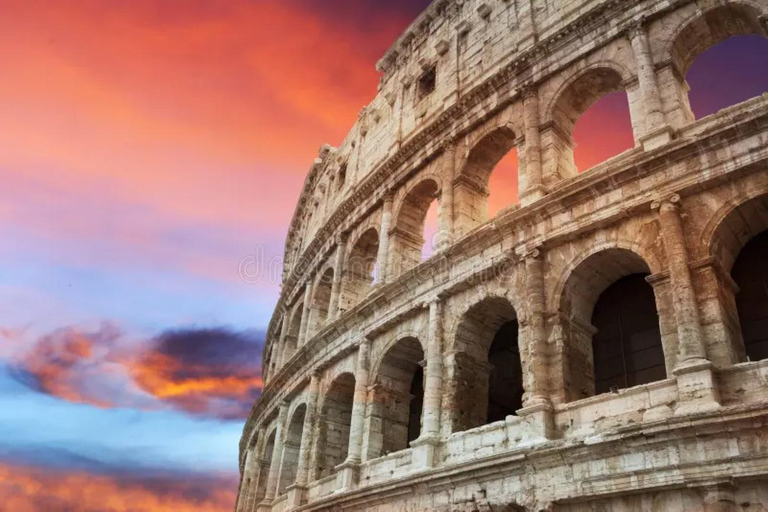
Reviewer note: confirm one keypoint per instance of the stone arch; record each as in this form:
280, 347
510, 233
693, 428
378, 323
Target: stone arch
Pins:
291, 448
487, 374
739, 243
394, 410
472, 183
580, 91
291, 341
359, 268
321, 300
407, 233
266, 461
609, 329
334, 425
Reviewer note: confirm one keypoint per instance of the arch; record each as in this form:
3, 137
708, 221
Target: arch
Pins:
394, 412
291, 341
573, 98
408, 228
261, 486
487, 367
291, 449
472, 185
740, 243
359, 268
600, 286
334, 424
321, 299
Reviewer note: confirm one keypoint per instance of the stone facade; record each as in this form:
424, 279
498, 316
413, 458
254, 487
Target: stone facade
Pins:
587, 350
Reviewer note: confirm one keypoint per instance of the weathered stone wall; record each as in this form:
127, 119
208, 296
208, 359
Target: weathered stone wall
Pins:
383, 371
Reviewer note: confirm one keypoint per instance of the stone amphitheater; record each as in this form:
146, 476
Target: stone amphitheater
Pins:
601, 346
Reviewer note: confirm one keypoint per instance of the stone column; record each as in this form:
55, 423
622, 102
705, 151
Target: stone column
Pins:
277, 454
424, 448
305, 315
383, 255
256, 463
538, 394
348, 469
656, 132
297, 492
338, 270
280, 350
696, 381
445, 214
531, 187
720, 497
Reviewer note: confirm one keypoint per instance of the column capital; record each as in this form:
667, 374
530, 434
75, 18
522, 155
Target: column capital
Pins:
529, 90
527, 252
671, 201
638, 28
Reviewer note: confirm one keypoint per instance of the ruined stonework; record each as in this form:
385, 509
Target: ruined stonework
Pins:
600, 347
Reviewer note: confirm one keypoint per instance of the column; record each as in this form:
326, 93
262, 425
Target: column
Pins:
720, 497
255, 459
305, 316
656, 132
297, 492
382, 256
445, 214
531, 186
433, 389
696, 382
338, 270
277, 454
280, 349
537, 394
348, 470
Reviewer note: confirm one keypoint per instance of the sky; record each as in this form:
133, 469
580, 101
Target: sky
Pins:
147, 148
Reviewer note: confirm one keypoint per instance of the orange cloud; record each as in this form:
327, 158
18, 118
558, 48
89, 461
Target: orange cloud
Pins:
30, 489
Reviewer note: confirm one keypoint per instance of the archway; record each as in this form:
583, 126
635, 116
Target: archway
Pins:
488, 376
602, 84
359, 270
291, 449
291, 342
611, 325
408, 235
495, 150
321, 301
706, 31
334, 423
394, 414
261, 487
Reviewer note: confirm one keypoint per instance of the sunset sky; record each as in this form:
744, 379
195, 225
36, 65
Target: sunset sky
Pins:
146, 148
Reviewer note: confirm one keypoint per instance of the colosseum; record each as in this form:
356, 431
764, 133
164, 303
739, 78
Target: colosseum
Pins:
600, 346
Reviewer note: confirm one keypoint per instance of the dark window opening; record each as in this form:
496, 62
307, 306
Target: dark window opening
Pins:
627, 347
427, 82
342, 177
417, 404
750, 272
505, 382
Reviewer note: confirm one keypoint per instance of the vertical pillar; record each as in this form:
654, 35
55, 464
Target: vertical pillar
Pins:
305, 316
531, 187
256, 463
537, 348
696, 381
280, 350
349, 469
446, 204
277, 454
425, 448
338, 269
720, 498
297, 492
383, 255
656, 132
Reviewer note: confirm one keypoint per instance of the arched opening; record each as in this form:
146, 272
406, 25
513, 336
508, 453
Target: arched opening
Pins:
431, 232
612, 337
740, 244
360, 267
410, 227
606, 123
261, 487
728, 74
291, 448
334, 424
291, 341
750, 272
495, 150
488, 375
321, 300
627, 345
394, 415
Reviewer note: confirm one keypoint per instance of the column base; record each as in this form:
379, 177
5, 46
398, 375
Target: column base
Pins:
540, 421
264, 506
696, 387
424, 451
532, 195
347, 476
657, 138
297, 496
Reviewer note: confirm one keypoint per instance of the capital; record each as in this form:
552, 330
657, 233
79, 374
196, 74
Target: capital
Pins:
529, 90
638, 28
666, 203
